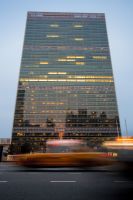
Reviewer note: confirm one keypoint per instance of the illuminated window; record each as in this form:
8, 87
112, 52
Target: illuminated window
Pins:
80, 63
61, 59
71, 56
100, 57
78, 26
93, 77
57, 72
70, 60
79, 39
20, 134
43, 63
42, 76
67, 60
81, 57
62, 72
52, 36
55, 103
54, 25
65, 80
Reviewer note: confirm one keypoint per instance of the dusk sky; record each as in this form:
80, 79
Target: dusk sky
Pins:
119, 19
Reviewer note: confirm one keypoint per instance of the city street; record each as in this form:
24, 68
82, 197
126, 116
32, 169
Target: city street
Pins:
18, 183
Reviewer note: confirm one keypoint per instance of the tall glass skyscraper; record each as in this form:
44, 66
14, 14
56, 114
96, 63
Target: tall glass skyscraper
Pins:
66, 85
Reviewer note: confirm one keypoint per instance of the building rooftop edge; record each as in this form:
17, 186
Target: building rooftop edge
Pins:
64, 12
43, 13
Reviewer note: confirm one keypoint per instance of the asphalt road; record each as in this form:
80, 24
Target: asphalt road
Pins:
17, 183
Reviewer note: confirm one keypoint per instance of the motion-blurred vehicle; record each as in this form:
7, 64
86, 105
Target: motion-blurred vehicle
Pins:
124, 149
64, 153
75, 159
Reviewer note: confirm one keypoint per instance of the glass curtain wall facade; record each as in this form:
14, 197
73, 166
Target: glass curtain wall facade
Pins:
66, 85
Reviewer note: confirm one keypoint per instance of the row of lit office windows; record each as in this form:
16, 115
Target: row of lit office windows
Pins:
75, 23
57, 97
64, 38
66, 78
55, 39
41, 118
90, 30
41, 129
73, 107
68, 59
81, 76
66, 55
91, 39
61, 93
87, 29
73, 88
51, 49
80, 127
63, 113
27, 85
34, 134
38, 88
83, 42
61, 105
50, 98
39, 139
31, 115
92, 67
42, 106
80, 101
59, 109
44, 72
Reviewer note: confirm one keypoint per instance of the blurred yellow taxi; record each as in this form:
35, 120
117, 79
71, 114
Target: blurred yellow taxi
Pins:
64, 153
75, 159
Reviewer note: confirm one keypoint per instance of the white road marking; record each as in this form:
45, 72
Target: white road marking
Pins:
3, 181
63, 181
34, 173
120, 181
74, 173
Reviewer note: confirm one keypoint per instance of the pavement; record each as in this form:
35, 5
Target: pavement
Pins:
99, 183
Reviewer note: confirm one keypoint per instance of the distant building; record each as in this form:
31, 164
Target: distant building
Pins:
5, 141
66, 85
4, 147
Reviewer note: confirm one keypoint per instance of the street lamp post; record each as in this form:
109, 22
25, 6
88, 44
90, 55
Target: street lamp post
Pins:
126, 128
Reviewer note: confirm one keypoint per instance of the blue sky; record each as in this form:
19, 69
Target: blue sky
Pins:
119, 17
